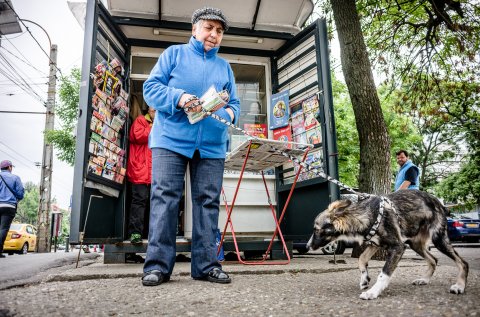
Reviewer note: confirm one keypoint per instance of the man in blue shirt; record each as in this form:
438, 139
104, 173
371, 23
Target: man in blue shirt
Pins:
11, 192
408, 176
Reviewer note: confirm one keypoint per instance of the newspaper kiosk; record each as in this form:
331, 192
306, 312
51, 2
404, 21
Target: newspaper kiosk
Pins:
269, 53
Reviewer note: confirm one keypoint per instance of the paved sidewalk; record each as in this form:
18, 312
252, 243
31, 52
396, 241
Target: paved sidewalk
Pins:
314, 262
309, 286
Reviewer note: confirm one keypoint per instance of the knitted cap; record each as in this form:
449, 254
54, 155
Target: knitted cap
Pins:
209, 13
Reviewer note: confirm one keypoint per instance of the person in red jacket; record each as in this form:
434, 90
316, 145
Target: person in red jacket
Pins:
139, 174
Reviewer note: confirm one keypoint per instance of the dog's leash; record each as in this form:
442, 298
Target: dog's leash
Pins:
306, 166
373, 230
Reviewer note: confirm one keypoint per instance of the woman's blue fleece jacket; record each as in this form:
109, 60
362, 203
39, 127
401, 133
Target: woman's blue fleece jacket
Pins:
189, 69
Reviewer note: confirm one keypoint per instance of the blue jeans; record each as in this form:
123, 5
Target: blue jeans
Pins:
206, 175
6, 217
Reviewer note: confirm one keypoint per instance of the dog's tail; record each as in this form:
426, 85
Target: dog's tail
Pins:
439, 206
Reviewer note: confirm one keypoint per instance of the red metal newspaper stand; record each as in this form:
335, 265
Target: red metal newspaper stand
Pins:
257, 155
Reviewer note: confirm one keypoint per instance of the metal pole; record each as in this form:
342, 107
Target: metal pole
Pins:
43, 243
82, 234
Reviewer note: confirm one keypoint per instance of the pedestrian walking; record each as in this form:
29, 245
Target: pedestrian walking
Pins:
11, 192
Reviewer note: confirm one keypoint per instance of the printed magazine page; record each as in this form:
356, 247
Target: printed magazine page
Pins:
279, 110
212, 101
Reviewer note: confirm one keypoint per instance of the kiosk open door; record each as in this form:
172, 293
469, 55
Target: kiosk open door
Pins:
302, 67
100, 161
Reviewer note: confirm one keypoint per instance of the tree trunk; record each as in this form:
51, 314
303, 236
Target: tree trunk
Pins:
375, 177
375, 174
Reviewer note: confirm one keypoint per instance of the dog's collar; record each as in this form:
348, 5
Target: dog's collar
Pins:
373, 230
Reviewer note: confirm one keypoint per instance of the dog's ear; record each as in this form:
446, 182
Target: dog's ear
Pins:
339, 204
338, 207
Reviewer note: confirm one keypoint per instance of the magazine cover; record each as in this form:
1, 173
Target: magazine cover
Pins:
314, 159
310, 120
314, 136
283, 134
279, 110
258, 130
311, 105
94, 168
298, 122
300, 138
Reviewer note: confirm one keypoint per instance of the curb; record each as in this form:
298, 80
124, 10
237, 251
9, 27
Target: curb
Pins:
74, 277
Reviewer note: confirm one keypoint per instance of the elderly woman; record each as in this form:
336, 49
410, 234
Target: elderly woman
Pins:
182, 73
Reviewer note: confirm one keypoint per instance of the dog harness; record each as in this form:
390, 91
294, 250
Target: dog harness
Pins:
381, 210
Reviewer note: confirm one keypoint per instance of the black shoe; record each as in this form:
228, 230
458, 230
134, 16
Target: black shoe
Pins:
134, 258
2, 256
182, 258
154, 278
216, 275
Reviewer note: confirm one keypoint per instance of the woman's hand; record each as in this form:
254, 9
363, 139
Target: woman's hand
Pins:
191, 102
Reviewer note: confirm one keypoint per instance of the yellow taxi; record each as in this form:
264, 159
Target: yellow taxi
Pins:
21, 238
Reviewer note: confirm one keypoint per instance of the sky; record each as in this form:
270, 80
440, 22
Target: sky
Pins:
21, 135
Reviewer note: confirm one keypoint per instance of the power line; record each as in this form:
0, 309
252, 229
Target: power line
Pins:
14, 151
15, 74
32, 84
21, 20
27, 63
21, 162
22, 112
55, 180
30, 78
26, 159
20, 85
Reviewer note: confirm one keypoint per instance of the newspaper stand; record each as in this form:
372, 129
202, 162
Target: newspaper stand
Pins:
258, 155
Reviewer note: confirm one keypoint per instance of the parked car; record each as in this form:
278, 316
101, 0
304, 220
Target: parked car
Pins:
21, 238
461, 228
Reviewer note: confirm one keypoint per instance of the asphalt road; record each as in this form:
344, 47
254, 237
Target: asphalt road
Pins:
17, 270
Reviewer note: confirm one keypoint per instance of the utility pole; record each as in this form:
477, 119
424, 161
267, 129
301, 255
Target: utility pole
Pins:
43, 238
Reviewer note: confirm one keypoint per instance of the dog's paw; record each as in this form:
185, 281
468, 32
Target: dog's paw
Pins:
457, 289
369, 295
364, 283
364, 280
420, 281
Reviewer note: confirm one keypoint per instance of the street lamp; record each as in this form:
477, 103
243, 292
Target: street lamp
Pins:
10, 25
43, 219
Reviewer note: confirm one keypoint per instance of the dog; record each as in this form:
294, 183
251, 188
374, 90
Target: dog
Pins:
409, 217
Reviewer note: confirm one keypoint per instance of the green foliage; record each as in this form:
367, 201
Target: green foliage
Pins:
28, 207
463, 186
63, 139
423, 40
401, 129
449, 121
347, 136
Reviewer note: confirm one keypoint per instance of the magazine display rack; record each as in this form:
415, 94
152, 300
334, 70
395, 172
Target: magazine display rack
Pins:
258, 155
